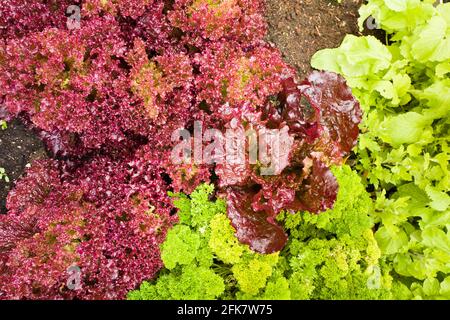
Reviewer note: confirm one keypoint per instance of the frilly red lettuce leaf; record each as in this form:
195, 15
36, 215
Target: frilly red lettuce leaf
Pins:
255, 228
340, 112
319, 190
323, 117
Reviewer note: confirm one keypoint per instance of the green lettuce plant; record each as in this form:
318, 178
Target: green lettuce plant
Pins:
333, 255
3, 175
404, 90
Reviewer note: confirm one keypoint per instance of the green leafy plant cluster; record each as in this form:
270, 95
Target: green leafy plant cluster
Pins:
202, 257
3, 175
404, 90
334, 255
329, 256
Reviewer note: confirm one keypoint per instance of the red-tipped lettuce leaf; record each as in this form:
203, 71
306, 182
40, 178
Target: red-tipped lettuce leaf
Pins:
318, 192
340, 111
255, 228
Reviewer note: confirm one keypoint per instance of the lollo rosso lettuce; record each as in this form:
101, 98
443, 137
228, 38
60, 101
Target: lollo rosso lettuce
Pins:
106, 218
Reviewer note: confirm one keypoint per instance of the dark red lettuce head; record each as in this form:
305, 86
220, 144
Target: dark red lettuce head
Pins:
340, 112
322, 117
255, 228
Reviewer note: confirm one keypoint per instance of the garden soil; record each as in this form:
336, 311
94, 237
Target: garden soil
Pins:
18, 147
299, 28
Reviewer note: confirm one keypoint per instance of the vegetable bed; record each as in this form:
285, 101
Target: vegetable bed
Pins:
187, 159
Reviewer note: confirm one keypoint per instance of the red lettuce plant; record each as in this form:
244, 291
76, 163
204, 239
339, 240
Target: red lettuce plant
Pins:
21, 17
106, 98
108, 218
205, 20
321, 118
237, 76
125, 8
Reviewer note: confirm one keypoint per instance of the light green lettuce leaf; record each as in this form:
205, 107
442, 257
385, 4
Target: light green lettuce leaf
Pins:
436, 238
403, 128
357, 57
433, 42
440, 200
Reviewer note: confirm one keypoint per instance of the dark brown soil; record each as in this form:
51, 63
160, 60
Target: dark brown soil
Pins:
18, 147
299, 28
